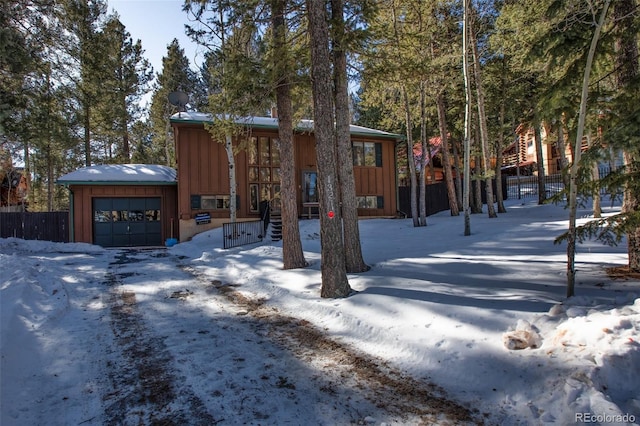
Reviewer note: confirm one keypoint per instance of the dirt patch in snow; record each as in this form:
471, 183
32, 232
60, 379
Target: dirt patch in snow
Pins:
623, 273
382, 384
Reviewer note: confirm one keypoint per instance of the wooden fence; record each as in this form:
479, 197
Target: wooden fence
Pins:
46, 226
437, 198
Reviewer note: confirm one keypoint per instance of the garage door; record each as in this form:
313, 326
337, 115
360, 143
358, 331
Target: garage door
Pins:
127, 222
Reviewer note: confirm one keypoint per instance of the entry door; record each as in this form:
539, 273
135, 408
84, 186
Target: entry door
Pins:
309, 187
127, 222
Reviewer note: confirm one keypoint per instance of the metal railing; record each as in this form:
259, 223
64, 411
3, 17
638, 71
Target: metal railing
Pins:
241, 233
527, 186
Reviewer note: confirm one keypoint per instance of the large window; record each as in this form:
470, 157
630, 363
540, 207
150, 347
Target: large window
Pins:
214, 202
370, 202
264, 170
209, 202
367, 154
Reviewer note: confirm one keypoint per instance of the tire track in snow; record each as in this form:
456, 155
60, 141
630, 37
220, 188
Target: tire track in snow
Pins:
145, 390
407, 399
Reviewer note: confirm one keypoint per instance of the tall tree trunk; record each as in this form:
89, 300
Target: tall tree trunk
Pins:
333, 268
27, 168
292, 254
233, 185
446, 160
500, 142
410, 159
573, 191
126, 150
49, 136
87, 132
353, 250
595, 175
459, 172
477, 183
467, 119
542, 190
626, 73
482, 121
168, 142
426, 154
631, 203
563, 153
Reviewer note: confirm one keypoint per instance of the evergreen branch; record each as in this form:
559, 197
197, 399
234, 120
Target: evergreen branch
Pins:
609, 230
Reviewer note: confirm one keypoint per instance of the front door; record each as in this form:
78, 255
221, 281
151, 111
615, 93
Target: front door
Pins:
309, 187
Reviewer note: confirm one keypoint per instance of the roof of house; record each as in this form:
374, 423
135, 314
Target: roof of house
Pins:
272, 124
121, 174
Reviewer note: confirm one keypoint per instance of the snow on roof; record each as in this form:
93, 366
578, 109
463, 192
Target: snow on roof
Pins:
121, 173
272, 123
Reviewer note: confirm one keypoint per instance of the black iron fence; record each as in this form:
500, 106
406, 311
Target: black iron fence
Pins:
241, 233
527, 186
45, 226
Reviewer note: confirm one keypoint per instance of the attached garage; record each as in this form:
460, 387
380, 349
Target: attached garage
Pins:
122, 205
127, 221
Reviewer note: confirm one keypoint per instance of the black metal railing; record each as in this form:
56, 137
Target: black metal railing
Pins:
241, 233
527, 186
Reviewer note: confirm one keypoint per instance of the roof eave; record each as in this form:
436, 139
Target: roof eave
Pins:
114, 183
392, 136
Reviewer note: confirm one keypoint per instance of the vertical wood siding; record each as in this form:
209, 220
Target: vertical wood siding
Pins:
203, 170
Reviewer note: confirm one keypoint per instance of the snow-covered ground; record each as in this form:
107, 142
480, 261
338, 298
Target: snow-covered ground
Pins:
196, 334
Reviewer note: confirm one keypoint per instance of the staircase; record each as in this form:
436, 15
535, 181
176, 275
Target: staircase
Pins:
276, 225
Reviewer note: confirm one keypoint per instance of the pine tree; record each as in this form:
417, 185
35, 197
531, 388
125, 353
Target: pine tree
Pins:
563, 42
627, 82
175, 76
354, 260
467, 119
82, 20
408, 58
482, 119
126, 76
334, 276
292, 256
22, 24
24, 38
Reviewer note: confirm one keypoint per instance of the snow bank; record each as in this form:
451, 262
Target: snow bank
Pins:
599, 348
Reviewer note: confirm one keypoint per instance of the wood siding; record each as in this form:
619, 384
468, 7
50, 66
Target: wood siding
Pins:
203, 170
379, 181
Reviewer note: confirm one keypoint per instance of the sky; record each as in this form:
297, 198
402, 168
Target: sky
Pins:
156, 23
195, 334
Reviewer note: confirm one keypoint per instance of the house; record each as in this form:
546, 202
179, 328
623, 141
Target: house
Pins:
13, 190
522, 152
119, 205
203, 180
14, 185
